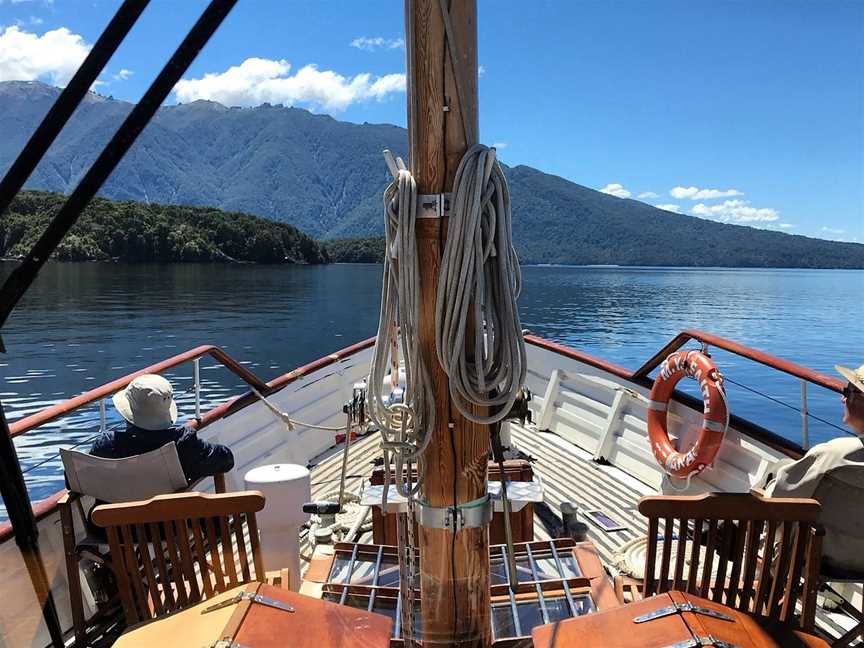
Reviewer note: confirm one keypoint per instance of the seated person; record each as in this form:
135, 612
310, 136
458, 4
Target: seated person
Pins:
818, 474
148, 406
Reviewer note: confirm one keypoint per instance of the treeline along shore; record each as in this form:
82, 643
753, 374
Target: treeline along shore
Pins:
128, 231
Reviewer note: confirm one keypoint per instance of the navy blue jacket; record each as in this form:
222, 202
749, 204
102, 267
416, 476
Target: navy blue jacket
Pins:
198, 458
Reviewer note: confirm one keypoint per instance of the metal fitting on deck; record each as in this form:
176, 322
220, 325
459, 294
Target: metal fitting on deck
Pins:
470, 515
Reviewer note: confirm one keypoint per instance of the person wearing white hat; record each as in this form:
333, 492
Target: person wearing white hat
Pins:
818, 474
853, 398
147, 404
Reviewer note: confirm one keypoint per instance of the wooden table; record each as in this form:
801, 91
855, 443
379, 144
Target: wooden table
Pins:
313, 624
617, 628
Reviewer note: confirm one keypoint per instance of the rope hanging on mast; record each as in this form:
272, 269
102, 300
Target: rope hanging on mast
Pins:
405, 426
480, 280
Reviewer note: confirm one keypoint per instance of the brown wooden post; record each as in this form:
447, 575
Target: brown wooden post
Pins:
454, 572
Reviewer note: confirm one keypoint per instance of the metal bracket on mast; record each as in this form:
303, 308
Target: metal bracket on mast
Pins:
470, 515
433, 205
428, 205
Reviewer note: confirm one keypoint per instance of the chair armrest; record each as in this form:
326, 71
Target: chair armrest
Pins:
68, 498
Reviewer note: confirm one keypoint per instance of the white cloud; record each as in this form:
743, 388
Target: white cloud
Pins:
736, 211
481, 70
370, 44
615, 189
53, 57
672, 208
648, 194
694, 193
256, 81
831, 230
500, 145
787, 225
122, 75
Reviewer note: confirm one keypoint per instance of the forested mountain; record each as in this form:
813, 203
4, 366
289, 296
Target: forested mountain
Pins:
133, 231
326, 177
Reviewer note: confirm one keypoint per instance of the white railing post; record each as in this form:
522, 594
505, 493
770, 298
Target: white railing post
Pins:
101, 415
197, 364
805, 430
607, 437
545, 419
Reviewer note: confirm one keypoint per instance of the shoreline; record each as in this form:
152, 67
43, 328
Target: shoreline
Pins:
590, 266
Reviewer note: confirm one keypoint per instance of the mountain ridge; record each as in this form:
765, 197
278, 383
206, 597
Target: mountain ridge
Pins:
326, 177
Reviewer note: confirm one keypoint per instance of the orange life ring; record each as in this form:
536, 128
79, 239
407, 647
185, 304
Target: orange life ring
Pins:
693, 364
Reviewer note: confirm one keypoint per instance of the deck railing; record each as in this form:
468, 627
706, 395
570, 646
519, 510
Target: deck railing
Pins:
29, 423
101, 393
642, 374
785, 366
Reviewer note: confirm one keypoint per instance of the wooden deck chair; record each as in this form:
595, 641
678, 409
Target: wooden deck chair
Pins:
110, 480
721, 551
173, 551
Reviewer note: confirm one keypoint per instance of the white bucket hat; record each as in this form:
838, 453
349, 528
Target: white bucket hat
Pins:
148, 403
854, 376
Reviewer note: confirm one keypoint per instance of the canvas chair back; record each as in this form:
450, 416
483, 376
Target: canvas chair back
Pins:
173, 551
747, 552
839, 492
122, 480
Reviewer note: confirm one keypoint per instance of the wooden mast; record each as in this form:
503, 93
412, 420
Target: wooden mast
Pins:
454, 572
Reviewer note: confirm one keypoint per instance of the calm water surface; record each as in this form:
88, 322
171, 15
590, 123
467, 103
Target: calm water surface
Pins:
84, 324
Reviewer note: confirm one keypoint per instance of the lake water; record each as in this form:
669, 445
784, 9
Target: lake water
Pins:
82, 325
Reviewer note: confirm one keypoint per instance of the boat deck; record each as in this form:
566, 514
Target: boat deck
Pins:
568, 474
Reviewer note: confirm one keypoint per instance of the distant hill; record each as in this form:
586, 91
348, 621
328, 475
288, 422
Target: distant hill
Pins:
133, 231
326, 177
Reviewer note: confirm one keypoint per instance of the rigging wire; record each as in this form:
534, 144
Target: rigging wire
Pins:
53, 457
792, 407
453, 539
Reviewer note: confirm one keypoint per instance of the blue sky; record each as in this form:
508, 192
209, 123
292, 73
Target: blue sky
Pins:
747, 112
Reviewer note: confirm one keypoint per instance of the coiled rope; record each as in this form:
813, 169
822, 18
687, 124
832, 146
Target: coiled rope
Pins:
405, 427
479, 283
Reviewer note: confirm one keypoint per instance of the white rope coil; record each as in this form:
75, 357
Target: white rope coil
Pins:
480, 280
404, 427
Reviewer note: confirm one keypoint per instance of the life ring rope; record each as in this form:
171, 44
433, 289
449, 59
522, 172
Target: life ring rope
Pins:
699, 366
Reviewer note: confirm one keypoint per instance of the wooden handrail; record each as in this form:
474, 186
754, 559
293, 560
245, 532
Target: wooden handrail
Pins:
820, 379
61, 409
